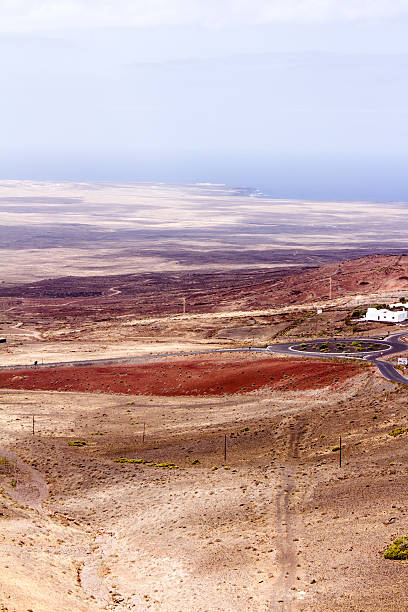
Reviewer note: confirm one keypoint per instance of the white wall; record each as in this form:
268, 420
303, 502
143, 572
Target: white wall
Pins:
387, 316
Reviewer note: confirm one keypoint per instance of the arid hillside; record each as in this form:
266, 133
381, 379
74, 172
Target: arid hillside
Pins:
199, 482
374, 274
73, 318
122, 502
164, 293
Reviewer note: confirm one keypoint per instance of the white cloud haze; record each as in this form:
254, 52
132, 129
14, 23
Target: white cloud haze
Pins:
301, 98
34, 15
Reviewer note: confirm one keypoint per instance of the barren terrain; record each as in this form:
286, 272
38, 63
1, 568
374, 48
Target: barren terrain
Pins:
75, 319
277, 525
176, 376
50, 230
199, 482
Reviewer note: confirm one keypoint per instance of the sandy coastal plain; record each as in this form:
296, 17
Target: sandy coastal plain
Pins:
50, 230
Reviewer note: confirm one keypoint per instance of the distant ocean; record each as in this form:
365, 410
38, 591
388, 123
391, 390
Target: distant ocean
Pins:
314, 177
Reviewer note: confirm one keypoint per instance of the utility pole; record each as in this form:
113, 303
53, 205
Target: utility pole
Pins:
330, 288
184, 305
340, 451
318, 312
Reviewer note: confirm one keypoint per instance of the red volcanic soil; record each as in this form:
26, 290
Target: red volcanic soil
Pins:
198, 376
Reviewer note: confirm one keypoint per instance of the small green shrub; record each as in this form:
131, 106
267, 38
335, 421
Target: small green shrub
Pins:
398, 550
126, 460
13, 483
398, 431
195, 462
214, 467
245, 429
335, 448
357, 314
5, 466
76, 443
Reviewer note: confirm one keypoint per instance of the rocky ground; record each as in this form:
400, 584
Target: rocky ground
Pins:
71, 318
174, 525
277, 525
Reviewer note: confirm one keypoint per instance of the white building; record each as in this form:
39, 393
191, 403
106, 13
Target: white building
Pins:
385, 315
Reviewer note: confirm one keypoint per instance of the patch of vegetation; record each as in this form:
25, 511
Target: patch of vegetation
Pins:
214, 467
335, 448
358, 314
5, 466
398, 431
126, 460
13, 483
352, 346
76, 443
195, 462
398, 550
245, 429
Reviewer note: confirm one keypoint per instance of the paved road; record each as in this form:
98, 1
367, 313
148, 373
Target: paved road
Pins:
126, 360
388, 371
392, 345
385, 368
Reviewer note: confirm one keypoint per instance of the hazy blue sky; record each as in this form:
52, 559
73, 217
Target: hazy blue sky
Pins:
302, 98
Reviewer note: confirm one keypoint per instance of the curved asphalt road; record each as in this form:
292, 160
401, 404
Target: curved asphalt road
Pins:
392, 345
386, 369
